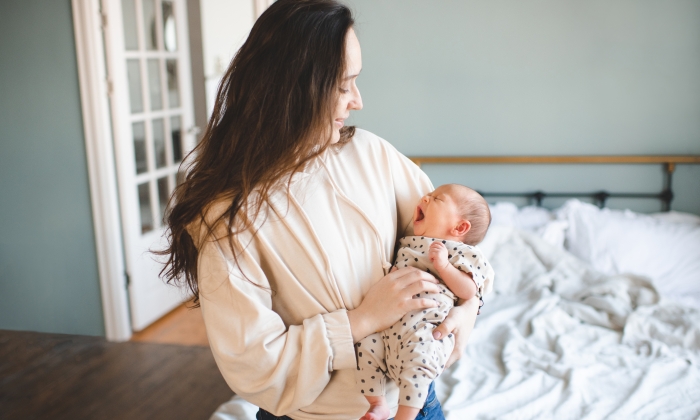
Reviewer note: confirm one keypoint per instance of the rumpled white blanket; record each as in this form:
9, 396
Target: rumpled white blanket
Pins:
557, 340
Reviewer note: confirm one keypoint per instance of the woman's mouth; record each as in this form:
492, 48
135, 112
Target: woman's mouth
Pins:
340, 122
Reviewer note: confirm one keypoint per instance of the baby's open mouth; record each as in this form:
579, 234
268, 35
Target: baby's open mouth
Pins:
419, 215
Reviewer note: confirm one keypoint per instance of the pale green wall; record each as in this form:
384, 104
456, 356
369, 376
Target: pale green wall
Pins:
48, 269
462, 77
447, 77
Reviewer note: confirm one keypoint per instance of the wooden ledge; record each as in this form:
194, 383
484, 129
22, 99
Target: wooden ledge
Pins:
643, 159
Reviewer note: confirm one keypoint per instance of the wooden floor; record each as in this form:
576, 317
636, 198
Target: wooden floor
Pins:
184, 325
55, 376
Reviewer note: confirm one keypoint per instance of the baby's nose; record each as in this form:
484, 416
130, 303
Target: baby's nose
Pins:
425, 199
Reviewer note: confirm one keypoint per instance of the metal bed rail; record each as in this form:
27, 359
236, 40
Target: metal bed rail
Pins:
669, 163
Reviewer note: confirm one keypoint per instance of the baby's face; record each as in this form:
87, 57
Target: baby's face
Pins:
437, 213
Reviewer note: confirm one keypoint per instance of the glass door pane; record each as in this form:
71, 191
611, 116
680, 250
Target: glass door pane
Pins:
145, 209
154, 86
163, 195
134, 74
131, 37
139, 133
150, 27
173, 86
159, 143
176, 138
169, 32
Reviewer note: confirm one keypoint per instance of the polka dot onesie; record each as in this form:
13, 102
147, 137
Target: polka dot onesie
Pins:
407, 352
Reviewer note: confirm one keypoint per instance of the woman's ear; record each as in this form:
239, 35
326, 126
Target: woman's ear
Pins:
462, 228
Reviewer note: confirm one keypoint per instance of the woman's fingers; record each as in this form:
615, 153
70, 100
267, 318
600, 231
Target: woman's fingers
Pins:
420, 303
408, 275
449, 325
460, 322
391, 298
420, 287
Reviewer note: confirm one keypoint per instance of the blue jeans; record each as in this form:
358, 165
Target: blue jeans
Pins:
431, 409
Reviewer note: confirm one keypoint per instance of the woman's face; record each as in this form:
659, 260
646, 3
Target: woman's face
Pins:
349, 93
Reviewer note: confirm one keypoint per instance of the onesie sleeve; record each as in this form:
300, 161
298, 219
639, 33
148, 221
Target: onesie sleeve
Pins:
470, 259
274, 366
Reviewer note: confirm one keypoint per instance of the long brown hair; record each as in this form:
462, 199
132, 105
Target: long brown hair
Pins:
273, 114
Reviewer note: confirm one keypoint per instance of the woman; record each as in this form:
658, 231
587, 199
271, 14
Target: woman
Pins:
285, 226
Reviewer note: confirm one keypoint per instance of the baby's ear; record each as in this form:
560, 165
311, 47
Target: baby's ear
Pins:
462, 228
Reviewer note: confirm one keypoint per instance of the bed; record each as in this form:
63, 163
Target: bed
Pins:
595, 314
566, 338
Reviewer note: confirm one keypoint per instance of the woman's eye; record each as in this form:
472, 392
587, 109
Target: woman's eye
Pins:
344, 90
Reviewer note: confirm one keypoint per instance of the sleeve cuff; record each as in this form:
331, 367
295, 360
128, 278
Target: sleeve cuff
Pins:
340, 338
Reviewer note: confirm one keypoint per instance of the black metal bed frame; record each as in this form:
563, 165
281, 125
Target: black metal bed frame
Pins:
599, 197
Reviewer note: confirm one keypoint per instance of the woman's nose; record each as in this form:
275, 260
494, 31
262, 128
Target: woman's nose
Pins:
356, 101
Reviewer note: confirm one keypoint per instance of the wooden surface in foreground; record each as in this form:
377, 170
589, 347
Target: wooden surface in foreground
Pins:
57, 376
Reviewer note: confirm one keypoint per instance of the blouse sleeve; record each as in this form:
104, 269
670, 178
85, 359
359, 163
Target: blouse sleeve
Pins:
277, 367
410, 184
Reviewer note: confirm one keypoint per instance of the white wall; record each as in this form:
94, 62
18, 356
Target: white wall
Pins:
225, 26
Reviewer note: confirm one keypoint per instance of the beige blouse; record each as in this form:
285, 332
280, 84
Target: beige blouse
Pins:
285, 345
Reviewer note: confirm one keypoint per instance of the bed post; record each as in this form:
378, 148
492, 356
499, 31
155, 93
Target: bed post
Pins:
667, 194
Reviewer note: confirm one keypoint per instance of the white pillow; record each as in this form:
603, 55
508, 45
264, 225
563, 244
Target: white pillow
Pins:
533, 219
664, 248
503, 214
530, 218
677, 217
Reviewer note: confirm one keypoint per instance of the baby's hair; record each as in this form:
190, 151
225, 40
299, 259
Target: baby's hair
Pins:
473, 207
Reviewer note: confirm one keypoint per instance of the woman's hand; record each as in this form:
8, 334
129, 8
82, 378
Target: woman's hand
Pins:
391, 298
460, 322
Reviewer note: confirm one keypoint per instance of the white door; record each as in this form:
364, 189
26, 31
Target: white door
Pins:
147, 54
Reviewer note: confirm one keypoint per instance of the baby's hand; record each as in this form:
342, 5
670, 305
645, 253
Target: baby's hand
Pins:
438, 255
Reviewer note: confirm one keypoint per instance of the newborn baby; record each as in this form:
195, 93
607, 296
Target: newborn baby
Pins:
447, 224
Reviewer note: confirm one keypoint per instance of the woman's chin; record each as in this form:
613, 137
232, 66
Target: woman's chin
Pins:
335, 138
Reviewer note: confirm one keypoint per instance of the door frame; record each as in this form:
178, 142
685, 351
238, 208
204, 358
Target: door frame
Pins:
95, 91
95, 88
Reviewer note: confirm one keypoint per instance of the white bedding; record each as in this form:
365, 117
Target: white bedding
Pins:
664, 247
558, 340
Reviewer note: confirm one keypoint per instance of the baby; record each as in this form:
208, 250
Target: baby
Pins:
447, 224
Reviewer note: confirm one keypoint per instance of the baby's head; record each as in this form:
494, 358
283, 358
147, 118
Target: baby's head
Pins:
453, 212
